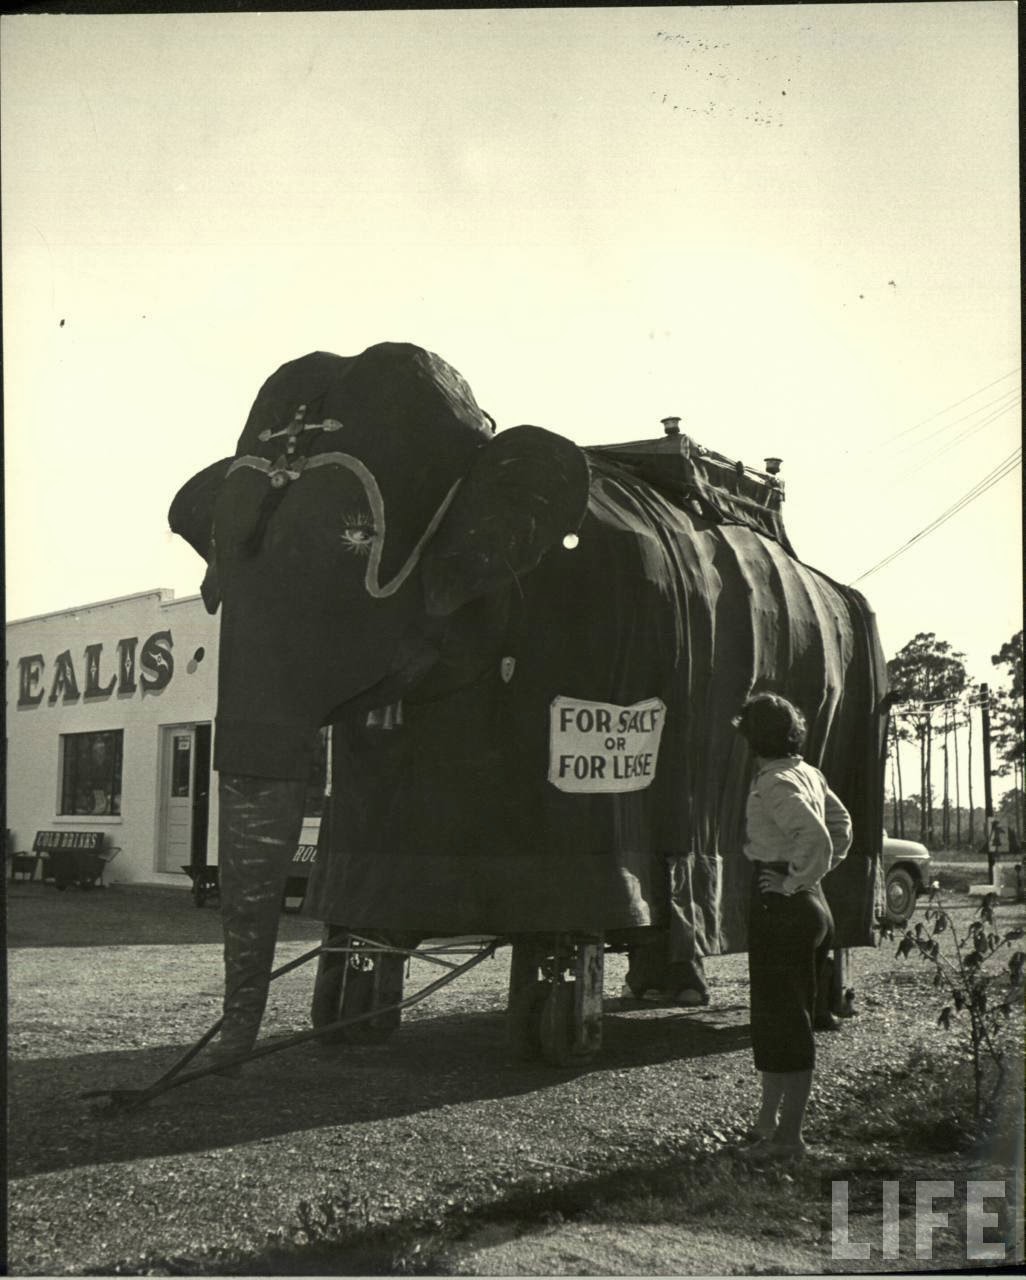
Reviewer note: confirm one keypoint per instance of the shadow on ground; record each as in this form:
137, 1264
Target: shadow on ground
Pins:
429, 1063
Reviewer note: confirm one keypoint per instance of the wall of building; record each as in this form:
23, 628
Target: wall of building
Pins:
138, 664
144, 665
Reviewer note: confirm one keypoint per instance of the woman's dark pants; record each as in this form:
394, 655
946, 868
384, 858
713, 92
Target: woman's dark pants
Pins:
789, 937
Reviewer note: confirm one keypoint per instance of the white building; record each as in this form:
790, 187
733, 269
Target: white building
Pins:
110, 711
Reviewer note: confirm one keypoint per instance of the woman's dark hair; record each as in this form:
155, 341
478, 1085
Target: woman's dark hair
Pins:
771, 726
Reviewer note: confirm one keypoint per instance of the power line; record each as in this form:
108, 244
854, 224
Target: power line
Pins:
1000, 471
1010, 398
940, 412
918, 708
962, 435
1003, 469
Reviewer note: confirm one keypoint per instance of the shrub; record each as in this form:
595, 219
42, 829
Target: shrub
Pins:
978, 995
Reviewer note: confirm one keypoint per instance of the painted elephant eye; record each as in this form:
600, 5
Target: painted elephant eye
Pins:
358, 533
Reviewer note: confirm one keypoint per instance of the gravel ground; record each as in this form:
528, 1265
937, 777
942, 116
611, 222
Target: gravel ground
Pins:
439, 1119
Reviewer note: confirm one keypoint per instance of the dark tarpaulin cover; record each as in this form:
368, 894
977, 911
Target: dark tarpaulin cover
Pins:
446, 823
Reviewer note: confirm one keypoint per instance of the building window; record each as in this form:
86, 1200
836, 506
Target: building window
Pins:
181, 766
91, 773
314, 806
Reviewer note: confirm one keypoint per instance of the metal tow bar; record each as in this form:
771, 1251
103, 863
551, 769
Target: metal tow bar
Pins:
130, 1099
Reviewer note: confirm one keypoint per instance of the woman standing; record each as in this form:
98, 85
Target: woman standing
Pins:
797, 830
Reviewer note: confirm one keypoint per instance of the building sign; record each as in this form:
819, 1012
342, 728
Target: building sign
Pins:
155, 668
602, 747
52, 841
303, 861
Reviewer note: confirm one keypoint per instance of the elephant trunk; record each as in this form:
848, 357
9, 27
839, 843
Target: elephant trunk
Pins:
260, 821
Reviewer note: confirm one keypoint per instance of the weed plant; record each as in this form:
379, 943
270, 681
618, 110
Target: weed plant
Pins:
979, 994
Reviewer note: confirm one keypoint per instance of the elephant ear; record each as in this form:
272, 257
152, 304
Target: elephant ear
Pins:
192, 517
526, 490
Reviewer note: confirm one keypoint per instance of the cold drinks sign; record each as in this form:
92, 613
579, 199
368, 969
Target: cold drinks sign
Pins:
599, 746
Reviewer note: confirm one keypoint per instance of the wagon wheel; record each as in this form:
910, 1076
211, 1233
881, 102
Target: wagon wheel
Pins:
524, 1018
571, 1014
556, 1024
343, 989
339, 994
526, 993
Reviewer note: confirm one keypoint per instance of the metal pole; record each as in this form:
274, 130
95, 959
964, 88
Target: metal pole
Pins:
946, 811
969, 777
988, 802
958, 785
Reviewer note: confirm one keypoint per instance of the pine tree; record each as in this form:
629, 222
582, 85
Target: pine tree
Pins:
925, 675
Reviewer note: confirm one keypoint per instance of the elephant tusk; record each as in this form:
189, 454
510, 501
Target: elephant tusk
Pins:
280, 475
254, 464
390, 588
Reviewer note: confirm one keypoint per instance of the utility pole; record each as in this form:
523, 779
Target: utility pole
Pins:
958, 787
988, 803
969, 777
928, 778
946, 811
896, 828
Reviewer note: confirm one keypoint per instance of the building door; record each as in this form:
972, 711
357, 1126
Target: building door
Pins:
185, 796
200, 794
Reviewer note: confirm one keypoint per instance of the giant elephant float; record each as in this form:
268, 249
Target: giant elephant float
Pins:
530, 654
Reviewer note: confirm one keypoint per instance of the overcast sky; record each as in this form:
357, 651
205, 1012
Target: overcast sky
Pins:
796, 227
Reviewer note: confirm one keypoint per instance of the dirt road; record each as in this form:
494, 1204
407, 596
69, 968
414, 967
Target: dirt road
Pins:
437, 1122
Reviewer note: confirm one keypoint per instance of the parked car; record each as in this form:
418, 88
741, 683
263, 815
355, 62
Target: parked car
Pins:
906, 866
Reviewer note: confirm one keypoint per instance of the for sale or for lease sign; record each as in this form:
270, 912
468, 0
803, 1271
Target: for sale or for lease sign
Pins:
599, 746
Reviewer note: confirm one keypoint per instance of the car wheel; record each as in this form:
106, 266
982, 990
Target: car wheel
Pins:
901, 895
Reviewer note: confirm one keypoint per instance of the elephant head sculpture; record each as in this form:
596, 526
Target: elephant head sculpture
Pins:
369, 510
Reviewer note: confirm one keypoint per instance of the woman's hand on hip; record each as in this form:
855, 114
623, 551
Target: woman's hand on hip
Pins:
772, 882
